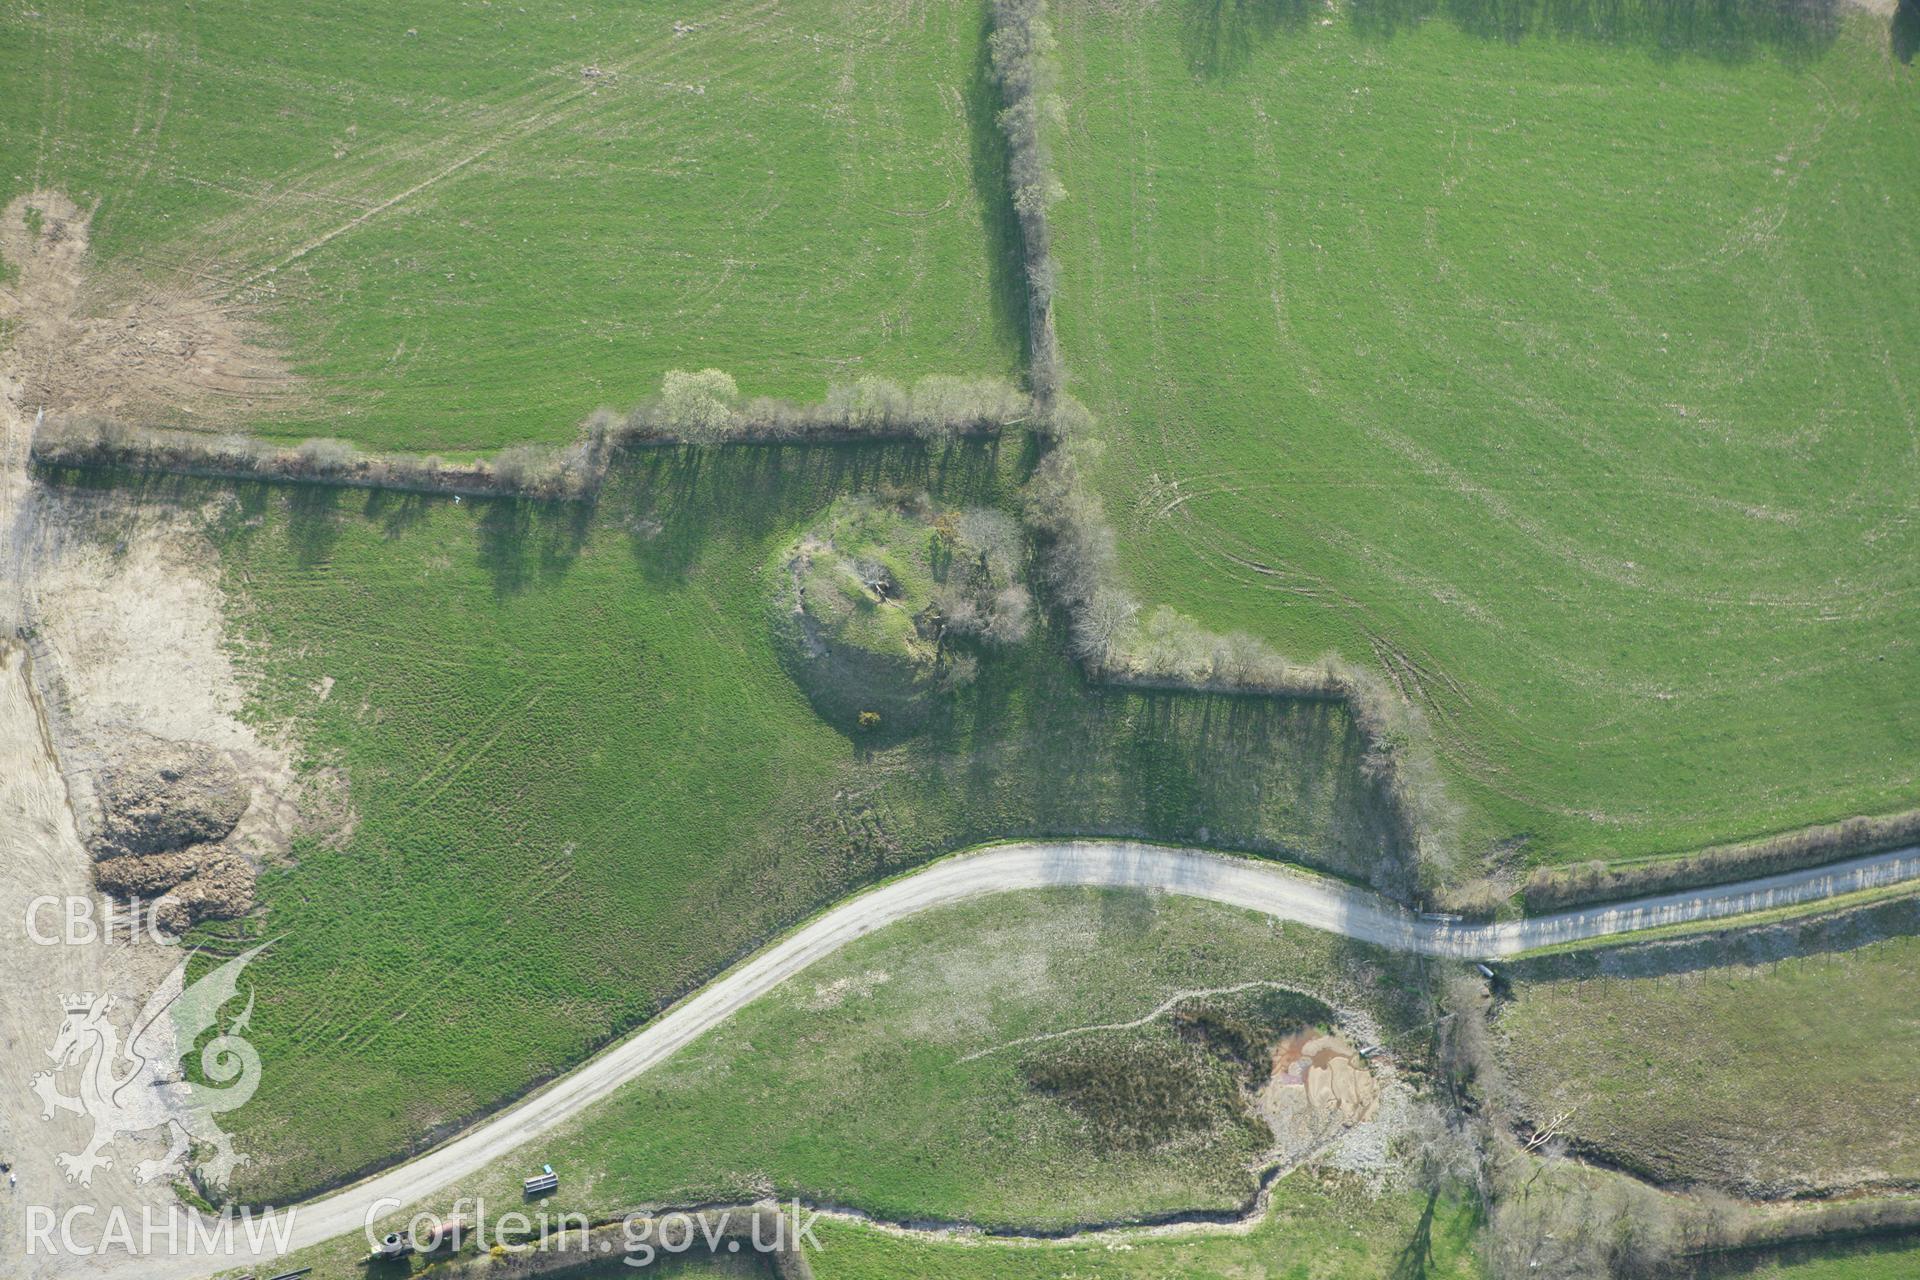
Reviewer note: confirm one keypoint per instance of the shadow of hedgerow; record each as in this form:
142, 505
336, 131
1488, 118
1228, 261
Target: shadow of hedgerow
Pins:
1220, 35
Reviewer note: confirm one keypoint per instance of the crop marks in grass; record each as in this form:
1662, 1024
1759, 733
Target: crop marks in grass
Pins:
1444, 365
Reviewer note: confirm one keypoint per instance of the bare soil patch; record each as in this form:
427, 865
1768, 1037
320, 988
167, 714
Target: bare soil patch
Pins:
1319, 1086
127, 620
88, 340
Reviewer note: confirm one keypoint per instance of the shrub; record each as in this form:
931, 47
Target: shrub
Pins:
958, 671
1549, 889
698, 406
992, 539
1009, 617
869, 404
1021, 50
527, 467
327, 456
941, 405
703, 408
1134, 1091
1464, 1045
1077, 555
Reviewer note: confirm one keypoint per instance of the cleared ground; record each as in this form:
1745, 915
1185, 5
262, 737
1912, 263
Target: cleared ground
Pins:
469, 225
1567, 381
1780, 1079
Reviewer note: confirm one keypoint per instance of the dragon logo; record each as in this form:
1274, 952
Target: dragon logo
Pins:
139, 1088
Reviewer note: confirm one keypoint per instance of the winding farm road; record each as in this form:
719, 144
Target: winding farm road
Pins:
1241, 882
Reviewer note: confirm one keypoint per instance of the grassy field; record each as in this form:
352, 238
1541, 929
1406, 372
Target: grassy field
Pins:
888, 1077
528, 211
1786, 1078
857, 1082
581, 779
1567, 380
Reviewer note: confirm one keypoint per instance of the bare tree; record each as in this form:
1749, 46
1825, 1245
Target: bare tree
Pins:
1009, 617
993, 539
1100, 625
327, 456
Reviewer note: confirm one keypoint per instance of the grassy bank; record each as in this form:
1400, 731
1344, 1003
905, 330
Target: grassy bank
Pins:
1314, 1230
1561, 379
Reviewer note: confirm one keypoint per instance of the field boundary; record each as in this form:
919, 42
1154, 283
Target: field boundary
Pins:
1549, 889
1821, 1223
937, 409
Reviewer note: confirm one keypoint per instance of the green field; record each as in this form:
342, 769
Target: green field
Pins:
1783, 1079
581, 779
533, 211
1568, 381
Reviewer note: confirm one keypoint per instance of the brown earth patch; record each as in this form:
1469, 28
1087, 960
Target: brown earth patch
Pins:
1320, 1085
177, 795
93, 341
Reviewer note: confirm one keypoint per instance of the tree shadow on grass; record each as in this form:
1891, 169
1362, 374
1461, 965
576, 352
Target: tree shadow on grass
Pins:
398, 512
1033, 749
523, 541
1219, 36
1797, 31
313, 522
672, 502
1416, 1260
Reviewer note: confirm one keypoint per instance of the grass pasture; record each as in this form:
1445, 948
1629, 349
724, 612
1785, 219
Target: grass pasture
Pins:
1778, 1079
1567, 380
1852, 1260
581, 779
469, 224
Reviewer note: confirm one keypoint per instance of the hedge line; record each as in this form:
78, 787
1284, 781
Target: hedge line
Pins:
1551, 888
1075, 542
692, 409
